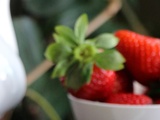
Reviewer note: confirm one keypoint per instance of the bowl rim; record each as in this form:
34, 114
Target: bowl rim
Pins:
100, 104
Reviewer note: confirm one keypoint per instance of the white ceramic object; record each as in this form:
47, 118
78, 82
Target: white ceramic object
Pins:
12, 74
88, 110
6, 27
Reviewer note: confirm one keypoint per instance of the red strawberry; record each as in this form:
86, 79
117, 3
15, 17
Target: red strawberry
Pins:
75, 61
104, 83
131, 99
100, 87
142, 55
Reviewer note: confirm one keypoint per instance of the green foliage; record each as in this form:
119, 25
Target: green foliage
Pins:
65, 35
43, 103
46, 7
30, 41
106, 41
113, 59
57, 52
81, 54
78, 75
81, 27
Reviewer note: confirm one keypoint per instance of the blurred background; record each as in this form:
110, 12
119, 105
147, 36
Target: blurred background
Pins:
34, 22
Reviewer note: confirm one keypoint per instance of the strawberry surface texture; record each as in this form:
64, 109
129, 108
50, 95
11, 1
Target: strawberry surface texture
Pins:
100, 86
142, 54
130, 99
103, 84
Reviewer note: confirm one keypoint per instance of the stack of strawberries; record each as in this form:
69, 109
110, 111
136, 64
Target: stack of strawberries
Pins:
142, 54
87, 74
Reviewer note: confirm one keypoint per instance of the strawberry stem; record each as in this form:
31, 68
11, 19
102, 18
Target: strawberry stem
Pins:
85, 53
74, 55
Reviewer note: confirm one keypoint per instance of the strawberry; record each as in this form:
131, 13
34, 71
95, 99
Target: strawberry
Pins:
142, 55
87, 65
130, 99
100, 87
103, 84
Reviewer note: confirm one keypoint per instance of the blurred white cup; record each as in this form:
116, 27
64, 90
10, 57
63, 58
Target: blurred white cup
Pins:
12, 73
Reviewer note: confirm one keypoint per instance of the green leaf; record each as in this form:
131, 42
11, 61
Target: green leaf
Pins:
61, 68
110, 59
106, 41
56, 52
81, 27
66, 35
30, 42
87, 71
78, 75
60, 39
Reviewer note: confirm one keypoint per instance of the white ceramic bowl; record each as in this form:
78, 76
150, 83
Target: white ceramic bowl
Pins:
89, 110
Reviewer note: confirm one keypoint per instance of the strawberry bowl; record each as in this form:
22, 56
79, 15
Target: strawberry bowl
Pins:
101, 69
92, 110
89, 110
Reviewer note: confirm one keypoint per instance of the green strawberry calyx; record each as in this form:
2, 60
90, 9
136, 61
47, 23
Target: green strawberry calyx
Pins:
74, 55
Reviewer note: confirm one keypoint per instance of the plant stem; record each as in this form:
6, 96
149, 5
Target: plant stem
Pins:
109, 11
132, 19
38, 71
43, 103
